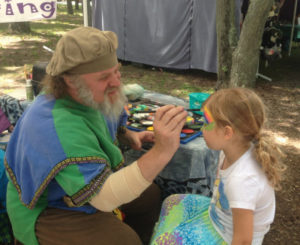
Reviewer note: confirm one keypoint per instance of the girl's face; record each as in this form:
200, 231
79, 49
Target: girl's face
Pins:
212, 134
214, 138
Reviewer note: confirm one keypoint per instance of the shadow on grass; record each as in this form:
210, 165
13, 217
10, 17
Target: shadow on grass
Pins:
24, 52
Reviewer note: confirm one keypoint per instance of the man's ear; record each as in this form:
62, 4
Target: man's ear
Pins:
228, 132
68, 81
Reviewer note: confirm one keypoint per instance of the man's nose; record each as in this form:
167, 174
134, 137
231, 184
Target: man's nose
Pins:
115, 81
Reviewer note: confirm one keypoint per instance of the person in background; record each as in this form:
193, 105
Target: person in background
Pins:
66, 176
243, 203
5, 123
10, 111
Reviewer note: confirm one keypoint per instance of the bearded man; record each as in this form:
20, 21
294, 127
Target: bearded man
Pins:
66, 174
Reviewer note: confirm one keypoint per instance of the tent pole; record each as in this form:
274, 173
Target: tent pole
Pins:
85, 13
261, 75
293, 26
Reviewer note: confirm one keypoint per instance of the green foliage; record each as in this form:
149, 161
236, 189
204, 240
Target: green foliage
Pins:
224, 68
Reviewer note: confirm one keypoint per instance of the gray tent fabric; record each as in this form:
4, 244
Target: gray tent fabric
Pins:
178, 34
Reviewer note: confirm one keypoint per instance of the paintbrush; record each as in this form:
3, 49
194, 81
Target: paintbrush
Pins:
153, 111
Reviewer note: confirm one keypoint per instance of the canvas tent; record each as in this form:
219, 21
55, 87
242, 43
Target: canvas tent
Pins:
177, 34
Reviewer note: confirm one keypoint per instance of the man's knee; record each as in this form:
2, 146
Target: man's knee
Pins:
149, 200
55, 226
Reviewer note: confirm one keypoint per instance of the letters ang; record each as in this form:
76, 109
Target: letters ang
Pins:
46, 9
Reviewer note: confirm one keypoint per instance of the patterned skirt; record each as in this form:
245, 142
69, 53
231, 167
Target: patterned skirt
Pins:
184, 219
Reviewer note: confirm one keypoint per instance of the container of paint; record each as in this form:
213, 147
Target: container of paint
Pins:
196, 101
29, 90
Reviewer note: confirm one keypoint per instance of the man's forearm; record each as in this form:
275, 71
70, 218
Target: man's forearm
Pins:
120, 187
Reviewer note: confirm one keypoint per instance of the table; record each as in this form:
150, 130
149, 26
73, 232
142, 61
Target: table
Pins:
193, 167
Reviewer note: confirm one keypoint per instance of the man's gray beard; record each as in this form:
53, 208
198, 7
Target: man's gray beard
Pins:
110, 110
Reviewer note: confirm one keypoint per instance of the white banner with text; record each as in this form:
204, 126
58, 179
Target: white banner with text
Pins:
26, 10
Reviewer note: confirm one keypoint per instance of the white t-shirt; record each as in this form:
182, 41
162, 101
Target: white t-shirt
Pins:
242, 185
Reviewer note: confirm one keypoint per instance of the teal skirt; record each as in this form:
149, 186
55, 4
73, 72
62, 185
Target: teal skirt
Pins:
184, 219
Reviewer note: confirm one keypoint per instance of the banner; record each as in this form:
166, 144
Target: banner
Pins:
26, 10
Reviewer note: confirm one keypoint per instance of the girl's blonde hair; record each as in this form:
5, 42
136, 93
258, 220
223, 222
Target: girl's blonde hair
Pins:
244, 111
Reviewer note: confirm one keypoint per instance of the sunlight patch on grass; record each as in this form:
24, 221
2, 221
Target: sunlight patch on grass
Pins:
12, 40
11, 68
283, 140
286, 141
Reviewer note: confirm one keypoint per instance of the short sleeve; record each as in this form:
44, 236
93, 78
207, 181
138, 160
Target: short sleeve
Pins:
242, 192
82, 181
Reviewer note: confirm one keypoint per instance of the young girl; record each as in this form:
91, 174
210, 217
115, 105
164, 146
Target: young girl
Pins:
243, 203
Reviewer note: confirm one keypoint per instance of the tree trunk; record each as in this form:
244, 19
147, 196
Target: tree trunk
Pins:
70, 7
77, 4
245, 58
19, 27
226, 40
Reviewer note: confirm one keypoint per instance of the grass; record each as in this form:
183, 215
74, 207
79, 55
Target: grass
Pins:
21, 49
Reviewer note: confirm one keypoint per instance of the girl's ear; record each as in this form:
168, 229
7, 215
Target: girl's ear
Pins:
228, 132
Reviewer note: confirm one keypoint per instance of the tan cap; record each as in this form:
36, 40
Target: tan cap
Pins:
84, 50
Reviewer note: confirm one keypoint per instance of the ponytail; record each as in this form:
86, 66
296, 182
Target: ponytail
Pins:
268, 155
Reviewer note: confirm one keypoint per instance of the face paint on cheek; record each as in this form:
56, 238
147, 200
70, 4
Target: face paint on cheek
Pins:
208, 126
209, 120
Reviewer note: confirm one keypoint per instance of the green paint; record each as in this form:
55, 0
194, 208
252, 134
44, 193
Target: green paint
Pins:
208, 126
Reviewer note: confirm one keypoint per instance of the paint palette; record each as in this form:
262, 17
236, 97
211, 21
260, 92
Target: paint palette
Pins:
140, 120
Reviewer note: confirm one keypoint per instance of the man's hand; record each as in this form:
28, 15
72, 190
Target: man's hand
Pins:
136, 139
167, 125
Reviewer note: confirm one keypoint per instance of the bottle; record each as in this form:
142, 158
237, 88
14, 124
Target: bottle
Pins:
29, 91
